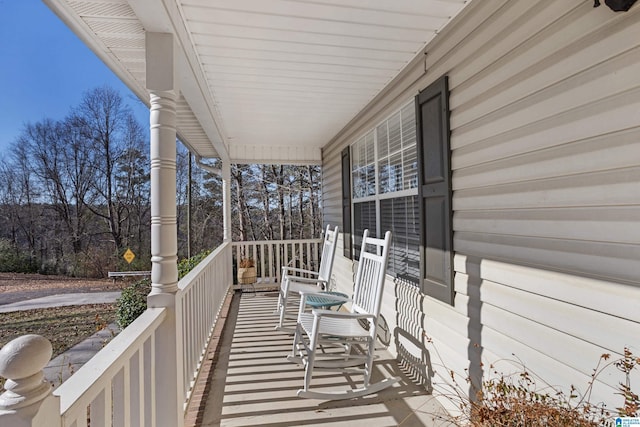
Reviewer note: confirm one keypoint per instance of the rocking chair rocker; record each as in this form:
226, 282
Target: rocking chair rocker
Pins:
297, 280
343, 341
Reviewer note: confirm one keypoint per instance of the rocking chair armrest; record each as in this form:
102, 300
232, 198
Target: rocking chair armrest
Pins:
341, 314
305, 285
286, 270
306, 280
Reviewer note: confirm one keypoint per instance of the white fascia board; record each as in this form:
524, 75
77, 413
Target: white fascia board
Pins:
164, 16
88, 37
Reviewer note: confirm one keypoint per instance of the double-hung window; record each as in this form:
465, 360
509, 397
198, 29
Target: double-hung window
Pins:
384, 176
397, 177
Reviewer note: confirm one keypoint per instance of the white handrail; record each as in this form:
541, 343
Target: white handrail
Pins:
104, 384
119, 385
199, 301
270, 255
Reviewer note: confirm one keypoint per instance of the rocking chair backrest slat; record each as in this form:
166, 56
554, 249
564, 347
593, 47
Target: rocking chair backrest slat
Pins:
370, 277
328, 252
314, 328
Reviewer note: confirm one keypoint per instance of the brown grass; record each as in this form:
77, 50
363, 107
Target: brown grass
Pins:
63, 326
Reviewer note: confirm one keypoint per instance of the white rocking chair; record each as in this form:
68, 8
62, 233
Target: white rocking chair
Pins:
354, 333
296, 280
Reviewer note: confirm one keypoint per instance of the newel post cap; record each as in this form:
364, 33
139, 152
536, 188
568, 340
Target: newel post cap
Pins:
25, 356
21, 363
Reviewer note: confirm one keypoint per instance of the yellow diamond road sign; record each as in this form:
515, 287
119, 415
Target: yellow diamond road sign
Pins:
129, 256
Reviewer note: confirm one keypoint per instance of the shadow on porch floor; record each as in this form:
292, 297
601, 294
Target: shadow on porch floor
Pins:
254, 385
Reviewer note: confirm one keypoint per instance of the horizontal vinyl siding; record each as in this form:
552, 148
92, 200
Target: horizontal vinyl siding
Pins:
614, 151
546, 165
545, 141
545, 122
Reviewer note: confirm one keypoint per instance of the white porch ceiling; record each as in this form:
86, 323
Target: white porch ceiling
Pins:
264, 80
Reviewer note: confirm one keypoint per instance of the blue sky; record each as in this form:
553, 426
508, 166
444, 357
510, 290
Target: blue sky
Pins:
45, 69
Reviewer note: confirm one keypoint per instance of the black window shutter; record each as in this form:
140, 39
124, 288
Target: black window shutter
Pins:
434, 190
346, 202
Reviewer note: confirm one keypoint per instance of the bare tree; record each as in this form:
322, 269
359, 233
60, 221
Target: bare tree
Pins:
67, 184
106, 122
132, 180
278, 175
22, 195
265, 195
281, 196
62, 160
313, 201
241, 203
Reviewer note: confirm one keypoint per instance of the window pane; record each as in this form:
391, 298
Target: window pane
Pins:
400, 215
362, 153
395, 141
370, 148
395, 172
409, 153
413, 240
410, 167
363, 169
386, 224
383, 174
364, 217
370, 171
383, 140
396, 151
356, 180
408, 125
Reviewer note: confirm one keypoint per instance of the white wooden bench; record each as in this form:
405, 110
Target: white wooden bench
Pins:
115, 274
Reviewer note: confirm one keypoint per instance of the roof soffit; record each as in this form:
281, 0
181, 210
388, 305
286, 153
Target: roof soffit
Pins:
272, 73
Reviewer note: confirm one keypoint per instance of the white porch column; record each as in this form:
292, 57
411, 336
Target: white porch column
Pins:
164, 240
164, 237
226, 200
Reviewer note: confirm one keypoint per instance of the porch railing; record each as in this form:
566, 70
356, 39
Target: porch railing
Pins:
115, 384
121, 385
202, 293
270, 255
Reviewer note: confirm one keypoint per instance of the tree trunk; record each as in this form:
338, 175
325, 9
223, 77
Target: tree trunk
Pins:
312, 202
266, 211
237, 178
278, 174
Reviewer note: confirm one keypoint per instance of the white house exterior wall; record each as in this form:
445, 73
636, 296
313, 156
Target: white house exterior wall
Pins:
545, 139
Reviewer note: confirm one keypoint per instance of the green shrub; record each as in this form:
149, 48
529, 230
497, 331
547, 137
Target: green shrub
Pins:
188, 264
13, 260
133, 301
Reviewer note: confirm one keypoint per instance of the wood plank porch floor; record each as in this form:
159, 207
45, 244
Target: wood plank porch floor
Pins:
253, 384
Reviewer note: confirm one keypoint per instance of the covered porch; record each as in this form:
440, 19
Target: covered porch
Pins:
233, 369
487, 133
252, 384
243, 83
